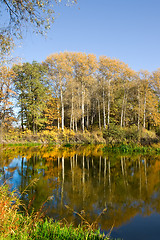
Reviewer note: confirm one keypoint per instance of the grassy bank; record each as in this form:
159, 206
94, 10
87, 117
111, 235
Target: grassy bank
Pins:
114, 136
17, 225
154, 149
54, 136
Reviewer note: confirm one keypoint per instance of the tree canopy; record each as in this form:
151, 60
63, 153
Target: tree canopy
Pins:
78, 91
18, 15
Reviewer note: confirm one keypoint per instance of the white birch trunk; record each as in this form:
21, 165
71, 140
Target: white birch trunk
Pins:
122, 111
82, 107
99, 114
144, 112
76, 124
87, 117
72, 110
109, 96
138, 108
124, 118
62, 104
104, 110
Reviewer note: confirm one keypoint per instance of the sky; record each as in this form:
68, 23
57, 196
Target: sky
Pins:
128, 30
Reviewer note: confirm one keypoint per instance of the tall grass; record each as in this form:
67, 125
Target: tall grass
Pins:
17, 225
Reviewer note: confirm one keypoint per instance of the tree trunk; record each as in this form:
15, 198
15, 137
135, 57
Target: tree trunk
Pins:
99, 114
138, 108
73, 124
22, 124
108, 120
58, 124
124, 114
22, 109
144, 112
1, 135
72, 119
76, 124
33, 124
87, 117
122, 111
104, 110
82, 107
62, 104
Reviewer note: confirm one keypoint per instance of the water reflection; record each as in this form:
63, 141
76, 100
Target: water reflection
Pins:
86, 179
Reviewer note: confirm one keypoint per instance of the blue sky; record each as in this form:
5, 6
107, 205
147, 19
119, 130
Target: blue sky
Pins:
125, 29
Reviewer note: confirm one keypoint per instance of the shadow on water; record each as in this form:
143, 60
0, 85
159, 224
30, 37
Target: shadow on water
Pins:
88, 181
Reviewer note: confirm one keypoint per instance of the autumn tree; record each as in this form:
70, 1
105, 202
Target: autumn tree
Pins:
31, 89
109, 72
155, 82
59, 71
78, 92
72, 94
123, 89
50, 112
20, 15
6, 96
84, 66
148, 100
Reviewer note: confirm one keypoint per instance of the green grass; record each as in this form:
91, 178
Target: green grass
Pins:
24, 226
27, 144
131, 149
48, 229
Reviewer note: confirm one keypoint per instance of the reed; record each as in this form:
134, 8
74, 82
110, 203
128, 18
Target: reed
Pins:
18, 225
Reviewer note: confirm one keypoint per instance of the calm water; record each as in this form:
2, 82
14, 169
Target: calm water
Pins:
89, 181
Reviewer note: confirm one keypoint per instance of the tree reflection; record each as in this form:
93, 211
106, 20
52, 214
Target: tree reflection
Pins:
85, 179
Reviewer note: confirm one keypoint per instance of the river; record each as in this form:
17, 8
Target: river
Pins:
118, 191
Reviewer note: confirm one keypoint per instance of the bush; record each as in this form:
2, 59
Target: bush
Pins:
148, 137
117, 135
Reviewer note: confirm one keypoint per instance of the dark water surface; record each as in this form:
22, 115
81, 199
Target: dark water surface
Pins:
88, 181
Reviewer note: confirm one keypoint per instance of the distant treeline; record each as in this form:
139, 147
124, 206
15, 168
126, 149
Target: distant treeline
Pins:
77, 91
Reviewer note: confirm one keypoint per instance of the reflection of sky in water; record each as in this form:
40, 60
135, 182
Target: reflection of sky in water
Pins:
15, 180
16, 162
12, 172
139, 228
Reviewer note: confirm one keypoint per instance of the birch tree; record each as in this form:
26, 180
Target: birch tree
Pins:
84, 67
59, 71
126, 77
109, 71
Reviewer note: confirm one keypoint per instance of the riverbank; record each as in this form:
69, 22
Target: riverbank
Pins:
16, 225
57, 137
115, 136
133, 149
113, 140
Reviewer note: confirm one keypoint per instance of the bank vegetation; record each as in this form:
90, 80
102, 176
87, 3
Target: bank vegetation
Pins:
75, 97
